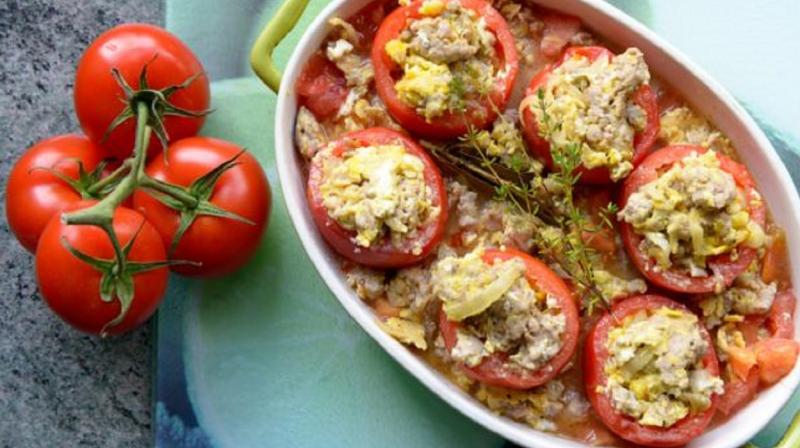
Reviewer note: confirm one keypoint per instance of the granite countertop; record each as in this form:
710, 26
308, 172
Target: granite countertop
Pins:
58, 386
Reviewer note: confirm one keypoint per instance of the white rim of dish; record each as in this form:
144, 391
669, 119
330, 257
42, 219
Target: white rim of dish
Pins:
735, 431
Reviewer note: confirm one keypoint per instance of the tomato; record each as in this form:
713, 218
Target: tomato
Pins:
381, 254
128, 48
776, 357
71, 287
494, 369
725, 266
367, 21
738, 393
601, 240
34, 194
322, 87
644, 97
595, 356
780, 319
450, 124
775, 264
220, 244
558, 30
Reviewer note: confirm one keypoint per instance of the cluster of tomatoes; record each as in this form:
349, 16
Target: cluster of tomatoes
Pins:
109, 214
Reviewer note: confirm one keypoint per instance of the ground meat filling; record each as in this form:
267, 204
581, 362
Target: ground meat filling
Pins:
447, 59
693, 211
654, 369
375, 191
499, 311
591, 103
748, 295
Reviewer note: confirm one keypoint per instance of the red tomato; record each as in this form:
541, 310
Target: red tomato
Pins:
367, 21
644, 97
221, 245
596, 354
494, 369
34, 195
776, 358
738, 393
558, 30
128, 48
674, 279
450, 124
321, 86
71, 287
381, 254
780, 319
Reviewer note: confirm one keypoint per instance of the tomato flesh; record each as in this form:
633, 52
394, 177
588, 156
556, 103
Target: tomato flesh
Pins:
644, 97
595, 356
321, 86
34, 194
495, 370
725, 266
450, 124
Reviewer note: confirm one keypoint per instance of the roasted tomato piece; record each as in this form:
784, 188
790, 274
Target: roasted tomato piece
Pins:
637, 127
639, 358
707, 230
443, 67
378, 198
526, 355
321, 86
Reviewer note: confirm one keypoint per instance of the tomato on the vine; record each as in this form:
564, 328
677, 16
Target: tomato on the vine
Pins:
35, 192
219, 244
129, 48
72, 286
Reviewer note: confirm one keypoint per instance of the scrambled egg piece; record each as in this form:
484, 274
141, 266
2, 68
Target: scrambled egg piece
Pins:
373, 190
589, 104
446, 58
691, 212
309, 135
748, 295
682, 126
405, 331
499, 311
655, 371
612, 287
538, 407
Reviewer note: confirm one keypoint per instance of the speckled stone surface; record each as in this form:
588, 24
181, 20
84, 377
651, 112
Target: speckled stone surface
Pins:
58, 387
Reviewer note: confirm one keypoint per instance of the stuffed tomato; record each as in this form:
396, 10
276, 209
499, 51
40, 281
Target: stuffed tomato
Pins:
598, 102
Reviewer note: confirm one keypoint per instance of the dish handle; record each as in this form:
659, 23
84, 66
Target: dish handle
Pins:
277, 28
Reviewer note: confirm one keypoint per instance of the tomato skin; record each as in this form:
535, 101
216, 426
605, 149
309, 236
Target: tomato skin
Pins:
380, 254
672, 279
34, 195
780, 319
493, 369
448, 125
595, 356
321, 86
128, 48
644, 97
221, 245
71, 287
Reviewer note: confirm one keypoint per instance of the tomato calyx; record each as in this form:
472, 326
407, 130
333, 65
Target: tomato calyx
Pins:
157, 101
200, 191
89, 184
117, 274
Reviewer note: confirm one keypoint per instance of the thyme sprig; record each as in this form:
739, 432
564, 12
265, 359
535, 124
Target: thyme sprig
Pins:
547, 199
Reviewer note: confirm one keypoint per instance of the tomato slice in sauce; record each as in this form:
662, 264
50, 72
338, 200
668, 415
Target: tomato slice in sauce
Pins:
449, 124
726, 267
495, 369
595, 356
383, 253
644, 97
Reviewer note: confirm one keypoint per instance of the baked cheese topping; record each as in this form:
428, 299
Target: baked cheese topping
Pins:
499, 310
447, 58
654, 370
693, 211
591, 105
375, 190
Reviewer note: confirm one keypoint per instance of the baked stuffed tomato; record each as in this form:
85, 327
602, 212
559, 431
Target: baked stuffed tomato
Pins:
509, 319
652, 375
691, 219
377, 198
597, 100
443, 67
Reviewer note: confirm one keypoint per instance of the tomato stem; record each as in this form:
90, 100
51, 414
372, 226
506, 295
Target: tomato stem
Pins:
96, 188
